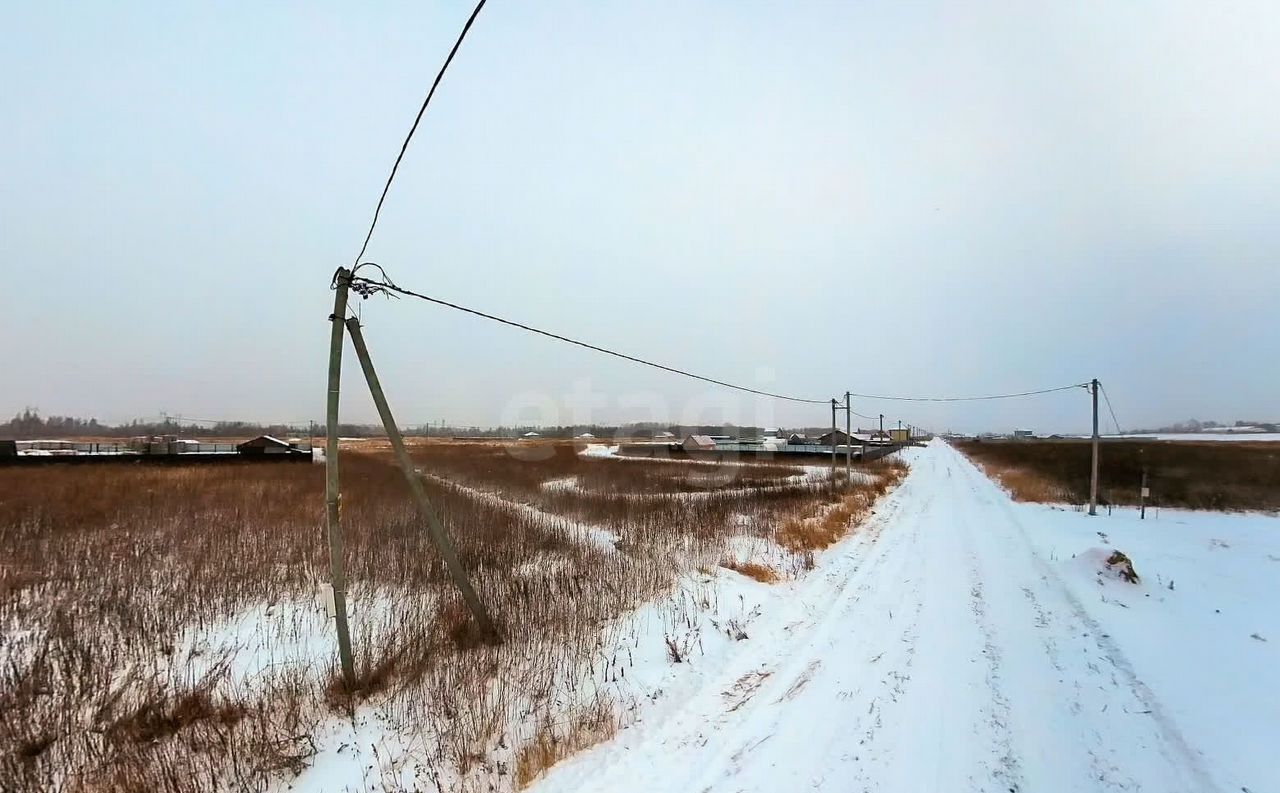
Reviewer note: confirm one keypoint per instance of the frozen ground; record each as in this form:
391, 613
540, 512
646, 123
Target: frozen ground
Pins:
964, 642
1211, 436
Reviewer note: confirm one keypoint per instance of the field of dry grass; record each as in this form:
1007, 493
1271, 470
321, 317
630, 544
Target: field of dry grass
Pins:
1190, 475
163, 632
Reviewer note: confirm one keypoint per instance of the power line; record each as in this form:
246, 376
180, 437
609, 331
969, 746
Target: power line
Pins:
404, 146
863, 415
971, 398
1109, 409
367, 286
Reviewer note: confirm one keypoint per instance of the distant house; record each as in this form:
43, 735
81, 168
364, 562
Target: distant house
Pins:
531, 435
665, 434
1023, 435
797, 438
834, 438
900, 434
699, 443
265, 444
586, 436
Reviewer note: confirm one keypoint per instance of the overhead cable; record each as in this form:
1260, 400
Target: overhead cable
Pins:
971, 398
367, 286
405, 146
1110, 409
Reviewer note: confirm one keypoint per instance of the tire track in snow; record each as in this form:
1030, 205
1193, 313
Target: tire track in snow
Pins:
936, 656
788, 679
1100, 648
1006, 766
737, 736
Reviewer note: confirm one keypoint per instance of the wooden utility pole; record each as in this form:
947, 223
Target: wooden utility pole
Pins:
848, 439
1142, 495
439, 537
1093, 480
833, 445
337, 568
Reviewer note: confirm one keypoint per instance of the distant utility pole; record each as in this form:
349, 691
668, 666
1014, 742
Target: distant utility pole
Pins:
848, 436
1142, 495
1093, 480
833, 445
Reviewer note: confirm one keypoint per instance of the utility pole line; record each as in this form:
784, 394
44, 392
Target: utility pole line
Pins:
833, 445
848, 437
439, 537
337, 569
1142, 495
1093, 480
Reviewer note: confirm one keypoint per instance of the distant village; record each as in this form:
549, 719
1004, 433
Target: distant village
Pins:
155, 448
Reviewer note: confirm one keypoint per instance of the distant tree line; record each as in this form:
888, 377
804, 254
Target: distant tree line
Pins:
29, 424
1196, 425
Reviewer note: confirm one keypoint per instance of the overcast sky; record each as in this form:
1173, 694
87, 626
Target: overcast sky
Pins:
901, 198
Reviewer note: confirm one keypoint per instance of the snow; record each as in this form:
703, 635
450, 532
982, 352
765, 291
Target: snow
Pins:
815, 473
960, 641
263, 638
955, 641
586, 533
1209, 436
564, 483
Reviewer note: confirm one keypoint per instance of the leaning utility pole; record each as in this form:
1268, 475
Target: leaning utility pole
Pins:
1093, 480
439, 537
337, 570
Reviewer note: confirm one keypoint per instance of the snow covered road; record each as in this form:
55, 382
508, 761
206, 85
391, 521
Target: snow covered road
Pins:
937, 650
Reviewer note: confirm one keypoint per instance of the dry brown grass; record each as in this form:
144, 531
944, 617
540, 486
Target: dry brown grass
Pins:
555, 742
1026, 485
1190, 475
815, 532
120, 580
760, 572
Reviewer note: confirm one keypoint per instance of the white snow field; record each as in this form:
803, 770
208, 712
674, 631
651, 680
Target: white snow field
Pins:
962, 642
1250, 437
